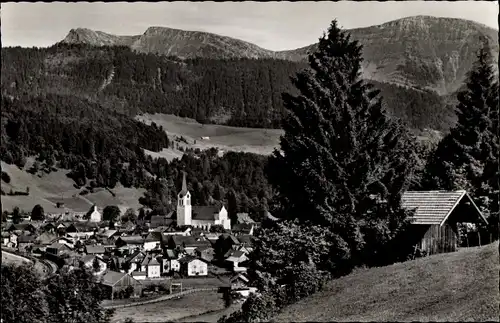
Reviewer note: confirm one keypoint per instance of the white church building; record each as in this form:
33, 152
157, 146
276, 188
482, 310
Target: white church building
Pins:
199, 216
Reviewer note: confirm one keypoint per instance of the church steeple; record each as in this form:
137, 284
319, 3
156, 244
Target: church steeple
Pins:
184, 184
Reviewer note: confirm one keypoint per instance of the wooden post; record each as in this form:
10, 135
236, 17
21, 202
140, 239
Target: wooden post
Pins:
490, 237
467, 235
479, 237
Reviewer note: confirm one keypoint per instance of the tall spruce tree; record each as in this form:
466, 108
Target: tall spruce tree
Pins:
467, 158
343, 162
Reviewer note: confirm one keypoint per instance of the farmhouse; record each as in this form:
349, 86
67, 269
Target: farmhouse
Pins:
115, 282
192, 266
199, 216
436, 216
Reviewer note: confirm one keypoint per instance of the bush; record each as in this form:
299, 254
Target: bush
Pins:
5, 177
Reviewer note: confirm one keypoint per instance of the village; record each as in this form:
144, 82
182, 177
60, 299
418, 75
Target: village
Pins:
194, 247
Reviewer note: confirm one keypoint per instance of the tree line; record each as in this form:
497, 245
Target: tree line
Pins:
237, 92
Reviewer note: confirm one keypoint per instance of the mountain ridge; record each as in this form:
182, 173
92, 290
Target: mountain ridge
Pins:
418, 51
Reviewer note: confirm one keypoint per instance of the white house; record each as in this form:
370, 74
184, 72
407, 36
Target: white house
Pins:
192, 266
94, 215
199, 216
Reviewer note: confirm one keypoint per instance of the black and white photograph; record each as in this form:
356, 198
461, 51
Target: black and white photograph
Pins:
250, 161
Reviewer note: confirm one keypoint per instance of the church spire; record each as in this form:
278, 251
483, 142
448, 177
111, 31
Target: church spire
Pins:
184, 184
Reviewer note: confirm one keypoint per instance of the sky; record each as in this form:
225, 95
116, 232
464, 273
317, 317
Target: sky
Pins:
271, 25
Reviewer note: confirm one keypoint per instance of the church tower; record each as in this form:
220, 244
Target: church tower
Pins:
184, 204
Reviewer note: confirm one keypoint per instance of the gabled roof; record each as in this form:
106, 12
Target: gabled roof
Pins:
234, 253
171, 254
94, 249
206, 212
184, 241
244, 218
46, 238
154, 236
189, 258
132, 239
434, 207
112, 277
59, 246
246, 239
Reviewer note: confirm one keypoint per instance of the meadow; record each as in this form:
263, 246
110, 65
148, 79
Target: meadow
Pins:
459, 286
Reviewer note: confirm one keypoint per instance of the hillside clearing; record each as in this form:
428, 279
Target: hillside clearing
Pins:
459, 286
254, 140
48, 189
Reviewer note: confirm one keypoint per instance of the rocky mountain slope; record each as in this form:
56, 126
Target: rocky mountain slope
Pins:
418, 52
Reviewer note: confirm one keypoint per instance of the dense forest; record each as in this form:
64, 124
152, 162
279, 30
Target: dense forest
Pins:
238, 92
72, 107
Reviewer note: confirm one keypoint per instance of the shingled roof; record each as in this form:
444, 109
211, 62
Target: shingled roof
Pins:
434, 207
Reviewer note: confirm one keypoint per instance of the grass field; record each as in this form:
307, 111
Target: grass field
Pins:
259, 141
48, 189
459, 286
170, 310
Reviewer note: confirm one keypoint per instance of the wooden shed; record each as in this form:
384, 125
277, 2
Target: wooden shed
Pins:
436, 216
116, 282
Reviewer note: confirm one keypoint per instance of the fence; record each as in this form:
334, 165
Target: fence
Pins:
163, 298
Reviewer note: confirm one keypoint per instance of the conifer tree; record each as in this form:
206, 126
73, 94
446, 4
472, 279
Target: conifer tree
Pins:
467, 158
343, 162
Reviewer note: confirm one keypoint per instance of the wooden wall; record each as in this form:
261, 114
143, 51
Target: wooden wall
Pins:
440, 239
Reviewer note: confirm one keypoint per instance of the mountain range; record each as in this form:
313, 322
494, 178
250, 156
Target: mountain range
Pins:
421, 52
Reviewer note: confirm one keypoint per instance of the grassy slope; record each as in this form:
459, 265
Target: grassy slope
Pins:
192, 304
259, 141
460, 286
56, 186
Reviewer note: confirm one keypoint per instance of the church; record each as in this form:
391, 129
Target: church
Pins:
199, 216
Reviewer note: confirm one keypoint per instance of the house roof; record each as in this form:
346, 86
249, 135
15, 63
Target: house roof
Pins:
184, 241
153, 262
188, 259
203, 248
434, 207
88, 258
5, 234
206, 212
112, 277
95, 249
154, 236
245, 238
58, 245
171, 254
134, 255
132, 239
26, 239
234, 253
244, 218
46, 238
157, 220
242, 227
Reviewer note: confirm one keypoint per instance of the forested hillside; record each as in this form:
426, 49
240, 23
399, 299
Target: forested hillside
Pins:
237, 92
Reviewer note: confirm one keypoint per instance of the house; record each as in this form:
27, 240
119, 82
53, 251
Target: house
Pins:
88, 261
21, 227
243, 228
46, 238
199, 216
151, 267
82, 229
183, 243
206, 253
58, 249
436, 218
192, 266
5, 238
95, 250
93, 215
243, 218
130, 242
12, 241
134, 261
24, 242
160, 221
48, 227
225, 243
67, 241
235, 257
115, 282
170, 261
153, 241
